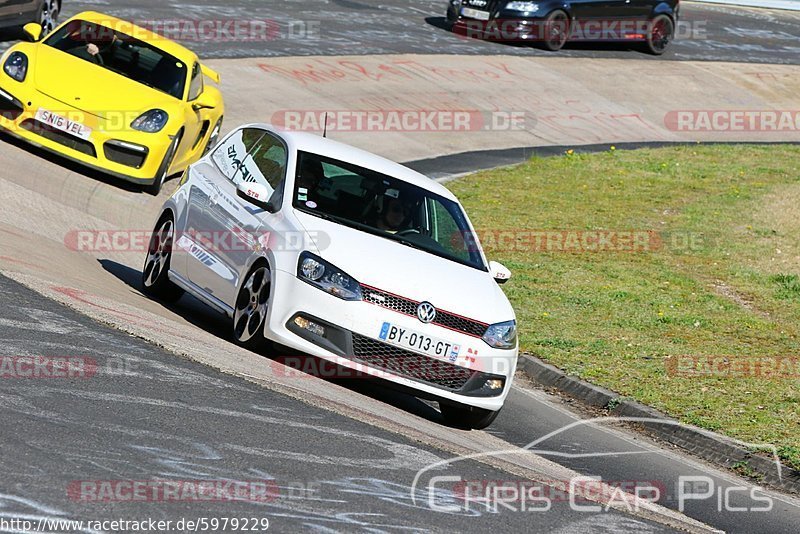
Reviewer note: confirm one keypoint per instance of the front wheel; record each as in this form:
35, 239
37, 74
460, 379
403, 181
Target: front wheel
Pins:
163, 171
659, 35
155, 275
469, 417
214, 137
250, 314
555, 30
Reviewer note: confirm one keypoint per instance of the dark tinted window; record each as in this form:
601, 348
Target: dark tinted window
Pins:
123, 54
385, 206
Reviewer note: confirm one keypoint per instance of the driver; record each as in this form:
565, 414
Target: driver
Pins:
393, 216
89, 40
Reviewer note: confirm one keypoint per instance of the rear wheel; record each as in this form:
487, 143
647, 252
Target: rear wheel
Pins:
250, 314
660, 34
155, 277
214, 137
555, 30
163, 171
462, 416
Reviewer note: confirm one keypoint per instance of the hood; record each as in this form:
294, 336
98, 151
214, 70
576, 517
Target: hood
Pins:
409, 272
91, 88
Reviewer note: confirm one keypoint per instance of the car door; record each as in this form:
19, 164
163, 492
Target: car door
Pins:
205, 185
639, 9
597, 9
238, 228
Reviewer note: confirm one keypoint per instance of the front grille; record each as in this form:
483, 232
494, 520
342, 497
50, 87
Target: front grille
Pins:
59, 137
409, 307
483, 5
401, 362
124, 156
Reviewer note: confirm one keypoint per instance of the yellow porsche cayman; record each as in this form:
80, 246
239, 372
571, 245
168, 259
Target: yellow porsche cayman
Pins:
112, 96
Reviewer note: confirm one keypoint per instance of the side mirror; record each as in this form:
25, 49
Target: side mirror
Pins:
499, 272
33, 30
203, 102
256, 194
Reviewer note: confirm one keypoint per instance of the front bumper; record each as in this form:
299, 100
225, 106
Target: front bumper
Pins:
501, 30
352, 341
111, 148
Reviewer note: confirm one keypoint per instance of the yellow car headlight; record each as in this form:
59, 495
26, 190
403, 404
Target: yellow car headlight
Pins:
152, 121
16, 66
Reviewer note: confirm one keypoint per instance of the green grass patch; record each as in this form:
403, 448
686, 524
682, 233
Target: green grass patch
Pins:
719, 276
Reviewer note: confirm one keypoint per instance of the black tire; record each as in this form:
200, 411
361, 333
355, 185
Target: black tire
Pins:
155, 278
163, 171
555, 30
660, 33
468, 417
250, 310
214, 137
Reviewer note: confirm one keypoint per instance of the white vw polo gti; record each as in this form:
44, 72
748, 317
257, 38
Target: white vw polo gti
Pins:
343, 255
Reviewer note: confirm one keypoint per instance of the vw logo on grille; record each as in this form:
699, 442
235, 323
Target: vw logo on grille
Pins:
426, 312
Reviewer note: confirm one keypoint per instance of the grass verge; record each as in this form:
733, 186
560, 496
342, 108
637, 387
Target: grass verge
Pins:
671, 276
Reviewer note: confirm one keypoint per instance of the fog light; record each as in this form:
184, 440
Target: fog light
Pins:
310, 326
494, 383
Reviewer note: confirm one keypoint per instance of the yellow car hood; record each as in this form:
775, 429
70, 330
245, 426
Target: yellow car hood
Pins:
91, 88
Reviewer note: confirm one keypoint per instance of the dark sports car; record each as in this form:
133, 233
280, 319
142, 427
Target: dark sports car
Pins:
552, 23
17, 13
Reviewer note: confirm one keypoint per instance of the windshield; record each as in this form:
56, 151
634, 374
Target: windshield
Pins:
384, 206
123, 54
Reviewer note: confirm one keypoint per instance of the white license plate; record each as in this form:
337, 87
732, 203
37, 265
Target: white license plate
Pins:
410, 339
475, 13
64, 124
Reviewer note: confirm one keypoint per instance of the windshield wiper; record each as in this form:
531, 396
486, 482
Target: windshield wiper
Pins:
392, 237
408, 243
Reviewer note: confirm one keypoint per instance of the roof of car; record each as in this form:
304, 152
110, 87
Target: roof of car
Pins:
324, 146
143, 34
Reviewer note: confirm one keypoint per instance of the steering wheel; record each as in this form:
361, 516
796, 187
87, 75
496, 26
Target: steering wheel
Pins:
97, 58
409, 231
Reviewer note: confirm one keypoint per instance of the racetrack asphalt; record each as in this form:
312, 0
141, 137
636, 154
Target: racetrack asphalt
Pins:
146, 415
352, 27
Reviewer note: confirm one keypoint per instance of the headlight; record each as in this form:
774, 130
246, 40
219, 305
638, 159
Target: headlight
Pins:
16, 66
152, 121
502, 335
529, 7
320, 273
